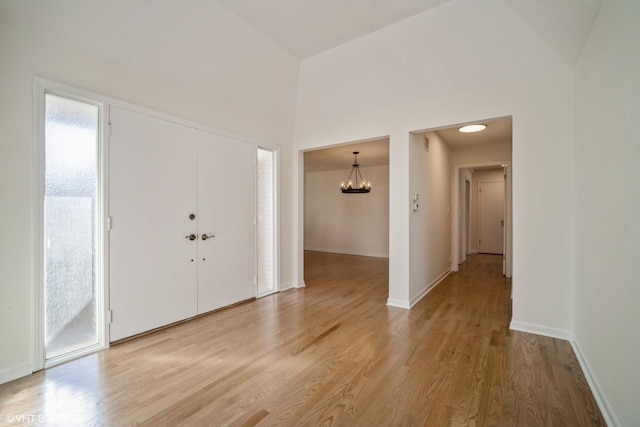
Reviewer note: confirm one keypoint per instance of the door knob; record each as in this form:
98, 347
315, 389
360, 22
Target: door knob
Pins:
205, 237
191, 237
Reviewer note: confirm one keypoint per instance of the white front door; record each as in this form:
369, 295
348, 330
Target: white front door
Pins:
491, 217
226, 210
153, 190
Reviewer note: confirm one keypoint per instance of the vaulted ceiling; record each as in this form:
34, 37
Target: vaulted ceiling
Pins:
547, 30
308, 27
471, 47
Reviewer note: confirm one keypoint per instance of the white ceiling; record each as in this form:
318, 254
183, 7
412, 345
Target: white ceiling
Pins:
498, 131
307, 27
372, 153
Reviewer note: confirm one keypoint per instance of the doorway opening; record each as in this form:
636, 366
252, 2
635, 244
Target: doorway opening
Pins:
483, 161
341, 222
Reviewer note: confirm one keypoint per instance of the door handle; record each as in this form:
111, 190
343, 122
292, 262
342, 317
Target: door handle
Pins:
205, 237
191, 237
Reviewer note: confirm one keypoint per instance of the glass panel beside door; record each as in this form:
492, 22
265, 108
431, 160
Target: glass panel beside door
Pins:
266, 245
70, 225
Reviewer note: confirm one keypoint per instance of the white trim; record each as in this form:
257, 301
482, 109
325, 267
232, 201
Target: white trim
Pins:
601, 399
93, 97
347, 252
54, 361
266, 294
41, 87
546, 331
15, 372
429, 287
104, 306
276, 215
275, 153
603, 403
37, 307
393, 302
292, 285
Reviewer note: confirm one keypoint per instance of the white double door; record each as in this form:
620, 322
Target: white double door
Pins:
170, 183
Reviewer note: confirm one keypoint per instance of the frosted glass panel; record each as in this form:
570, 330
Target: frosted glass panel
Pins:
70, 197
266, 241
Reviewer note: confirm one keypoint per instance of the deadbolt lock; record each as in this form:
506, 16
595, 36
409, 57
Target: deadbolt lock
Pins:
192, 216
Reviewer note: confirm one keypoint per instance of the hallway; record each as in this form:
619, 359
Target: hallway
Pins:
330, 354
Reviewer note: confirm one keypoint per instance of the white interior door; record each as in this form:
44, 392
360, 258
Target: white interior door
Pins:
153, 189
491, 217
226, 209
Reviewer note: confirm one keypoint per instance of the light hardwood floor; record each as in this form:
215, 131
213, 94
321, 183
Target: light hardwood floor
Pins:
330, 354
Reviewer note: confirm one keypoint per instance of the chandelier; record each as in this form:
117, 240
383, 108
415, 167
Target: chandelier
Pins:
360, 186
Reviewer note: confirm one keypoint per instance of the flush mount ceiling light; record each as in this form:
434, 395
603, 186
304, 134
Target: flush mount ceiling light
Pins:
361, 185
472, 128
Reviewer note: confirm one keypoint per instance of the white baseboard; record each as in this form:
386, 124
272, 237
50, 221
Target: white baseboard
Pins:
429, 287
15, 372
393, 302
347, 252
601, 399
292, 285
546, 331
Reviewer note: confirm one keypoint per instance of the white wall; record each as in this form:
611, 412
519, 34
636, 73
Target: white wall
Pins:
482, 155
191, 59
606, 234
430, 225
355, 224
396, 80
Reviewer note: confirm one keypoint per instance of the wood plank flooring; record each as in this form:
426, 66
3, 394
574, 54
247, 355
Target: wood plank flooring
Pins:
330, 354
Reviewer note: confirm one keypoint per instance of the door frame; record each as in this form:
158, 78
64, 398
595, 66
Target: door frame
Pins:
40, 88
455, 211
463, 218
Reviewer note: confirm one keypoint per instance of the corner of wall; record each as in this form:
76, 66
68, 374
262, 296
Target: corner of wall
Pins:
601, 399
393, 302
431, 286
546, 331
293, 285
